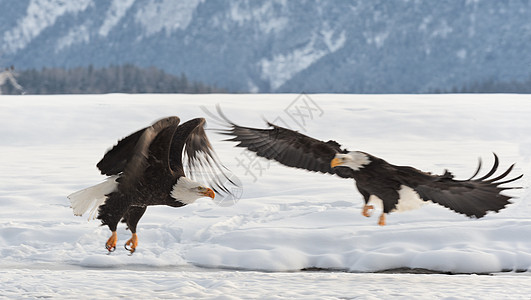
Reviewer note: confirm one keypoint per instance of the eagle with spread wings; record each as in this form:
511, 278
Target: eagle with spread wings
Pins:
394, 188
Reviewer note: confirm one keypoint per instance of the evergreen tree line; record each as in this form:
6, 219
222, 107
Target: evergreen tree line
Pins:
491, 86
131, 79
114, 79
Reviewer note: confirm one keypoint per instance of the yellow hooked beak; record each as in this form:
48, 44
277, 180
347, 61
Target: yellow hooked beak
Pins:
209, 193
335, 162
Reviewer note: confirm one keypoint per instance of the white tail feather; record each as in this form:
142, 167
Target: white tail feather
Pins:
92, 197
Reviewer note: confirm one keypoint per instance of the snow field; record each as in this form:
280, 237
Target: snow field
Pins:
286, 220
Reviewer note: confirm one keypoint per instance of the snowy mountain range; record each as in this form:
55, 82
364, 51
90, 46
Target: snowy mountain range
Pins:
357, 46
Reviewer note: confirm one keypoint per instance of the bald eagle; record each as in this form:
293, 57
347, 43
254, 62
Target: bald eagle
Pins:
394, 188
146, 168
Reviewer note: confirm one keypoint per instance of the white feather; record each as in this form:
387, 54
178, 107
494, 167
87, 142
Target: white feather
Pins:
185, 190
408, 199
354, 160
92, 197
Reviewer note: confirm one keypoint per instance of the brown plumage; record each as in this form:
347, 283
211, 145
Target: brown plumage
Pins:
375, 178
146, 168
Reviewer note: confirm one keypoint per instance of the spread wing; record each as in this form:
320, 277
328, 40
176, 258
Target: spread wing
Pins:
190, 145
287, 147
473, 197
116, 158
152, 142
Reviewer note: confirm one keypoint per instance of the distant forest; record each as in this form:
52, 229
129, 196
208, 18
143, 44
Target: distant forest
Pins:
131, 79
114, 79
491, 86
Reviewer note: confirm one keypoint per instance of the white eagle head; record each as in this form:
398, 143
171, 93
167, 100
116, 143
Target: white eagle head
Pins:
187, 191
354, 160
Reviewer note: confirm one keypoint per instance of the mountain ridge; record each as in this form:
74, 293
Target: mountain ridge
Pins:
280, 46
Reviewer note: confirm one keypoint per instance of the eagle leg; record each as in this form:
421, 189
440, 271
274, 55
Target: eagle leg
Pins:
381, 220
111, 242
367, 210
131, 217
132, 242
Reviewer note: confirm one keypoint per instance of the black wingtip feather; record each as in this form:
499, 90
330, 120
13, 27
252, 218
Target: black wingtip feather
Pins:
510, 180
502, 175
477, 170
472, 197
493, 170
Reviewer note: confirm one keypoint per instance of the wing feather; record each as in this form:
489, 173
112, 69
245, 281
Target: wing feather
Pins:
191, 145
493, 170
472, 197
138, 161
129, 148
116, 158
288, 147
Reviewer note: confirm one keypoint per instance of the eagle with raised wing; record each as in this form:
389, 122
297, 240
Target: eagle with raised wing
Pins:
146, 168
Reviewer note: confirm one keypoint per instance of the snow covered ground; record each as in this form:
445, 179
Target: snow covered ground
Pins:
288, 226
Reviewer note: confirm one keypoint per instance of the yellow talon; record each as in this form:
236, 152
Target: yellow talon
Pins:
367, 210
111, 242
381, 221
132, 242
